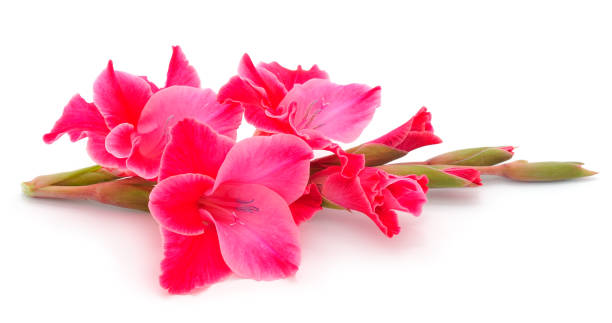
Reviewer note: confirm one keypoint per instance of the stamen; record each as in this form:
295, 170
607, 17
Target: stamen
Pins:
313, 114
248, 208
224, 209
309, 109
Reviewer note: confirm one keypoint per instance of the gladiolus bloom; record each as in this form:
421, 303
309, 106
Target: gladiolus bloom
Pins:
143, 143
127, 125
375, 193
224, 207
303, 103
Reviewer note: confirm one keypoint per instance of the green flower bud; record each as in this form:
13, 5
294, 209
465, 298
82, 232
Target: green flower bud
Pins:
524, 171
482, 156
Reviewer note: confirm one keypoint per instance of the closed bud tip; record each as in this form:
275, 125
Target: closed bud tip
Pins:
26, 188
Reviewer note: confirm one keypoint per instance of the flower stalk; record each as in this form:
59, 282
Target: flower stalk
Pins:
129, 192
84, 176
106, 186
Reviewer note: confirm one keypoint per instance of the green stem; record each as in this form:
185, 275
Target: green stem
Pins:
131, 192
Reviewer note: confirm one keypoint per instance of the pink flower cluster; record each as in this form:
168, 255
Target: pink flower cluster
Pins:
233, 207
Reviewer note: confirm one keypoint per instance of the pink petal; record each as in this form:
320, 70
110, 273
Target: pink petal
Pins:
191, 261
388, 219
146, 154
154, 87
119, 141
409, 192
194, 148
267, 121
120, 96
96, 149
260, 240
350, 164
338, 112
164, 110
255, 103
291, 77
307, 205
79, 120
279, 162
470, 174
240, 90
274, 89
261, 89
179, 70
415, 133
223, 118
349, 193
171, 105
175, 203
346, 192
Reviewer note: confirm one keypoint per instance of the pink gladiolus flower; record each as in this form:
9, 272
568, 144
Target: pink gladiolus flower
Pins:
224, 207
375, 193
128, 122
304, 103
143, 143
415, 133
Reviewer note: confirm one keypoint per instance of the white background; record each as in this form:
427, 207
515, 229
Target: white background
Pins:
534, 74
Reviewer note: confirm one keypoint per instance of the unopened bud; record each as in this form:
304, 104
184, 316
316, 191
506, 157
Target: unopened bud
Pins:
524, 171
481, 156
439, 177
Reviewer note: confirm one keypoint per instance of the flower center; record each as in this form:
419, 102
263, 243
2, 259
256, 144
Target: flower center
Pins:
226, 209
